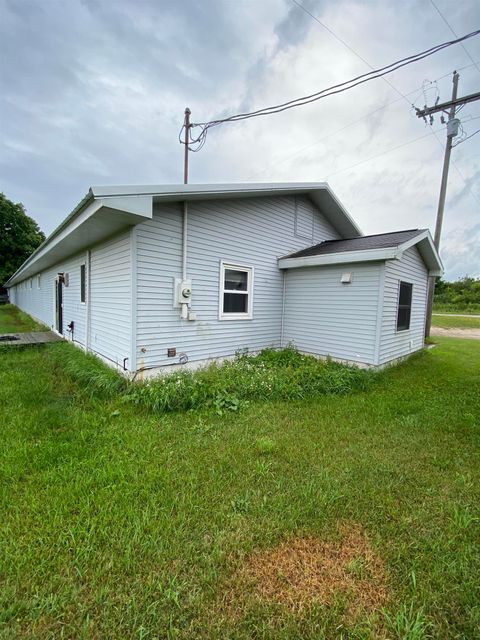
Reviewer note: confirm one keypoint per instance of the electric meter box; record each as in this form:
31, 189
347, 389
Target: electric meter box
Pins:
182, 292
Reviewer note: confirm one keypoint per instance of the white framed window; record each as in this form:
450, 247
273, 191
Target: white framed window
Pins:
31, 283
236, 291
39, 281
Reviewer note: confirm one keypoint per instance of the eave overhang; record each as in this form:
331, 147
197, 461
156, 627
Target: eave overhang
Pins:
319, 192
105, 211
91, 222
423, 242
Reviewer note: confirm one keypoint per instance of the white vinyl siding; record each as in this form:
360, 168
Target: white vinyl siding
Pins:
304, 219
39, 302
110, 311
248, 231
395, 344
327, 318
110, 299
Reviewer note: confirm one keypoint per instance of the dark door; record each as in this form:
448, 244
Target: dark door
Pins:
59, 305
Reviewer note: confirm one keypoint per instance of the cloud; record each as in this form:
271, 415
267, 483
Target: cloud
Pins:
460, 252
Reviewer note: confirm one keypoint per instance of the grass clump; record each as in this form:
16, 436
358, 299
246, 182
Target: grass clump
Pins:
93, 375
269, 375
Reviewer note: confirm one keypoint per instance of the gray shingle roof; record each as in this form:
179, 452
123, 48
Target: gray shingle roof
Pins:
361, 243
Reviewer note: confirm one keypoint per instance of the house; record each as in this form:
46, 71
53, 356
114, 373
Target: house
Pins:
151, 277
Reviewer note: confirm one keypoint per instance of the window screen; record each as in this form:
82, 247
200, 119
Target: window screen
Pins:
404, 306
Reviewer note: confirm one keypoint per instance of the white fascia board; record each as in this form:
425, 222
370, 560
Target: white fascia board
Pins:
128, 211
413, 241
344, 257
55, 238
141, 206
212, 189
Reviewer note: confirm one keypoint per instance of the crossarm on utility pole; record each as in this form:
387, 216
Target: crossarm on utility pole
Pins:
455, 102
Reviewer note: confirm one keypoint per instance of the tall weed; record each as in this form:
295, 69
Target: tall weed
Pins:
270, 375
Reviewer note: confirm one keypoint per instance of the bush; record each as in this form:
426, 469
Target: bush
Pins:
458, 296
270, 375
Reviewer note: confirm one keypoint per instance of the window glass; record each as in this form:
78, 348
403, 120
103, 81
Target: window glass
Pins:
404, 306
405, 297
236, 280
235, 303
82, 283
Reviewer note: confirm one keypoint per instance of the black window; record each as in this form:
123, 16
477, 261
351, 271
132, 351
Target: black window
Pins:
404, 306
82, 283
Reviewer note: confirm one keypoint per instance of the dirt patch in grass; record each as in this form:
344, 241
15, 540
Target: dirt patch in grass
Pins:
305, 571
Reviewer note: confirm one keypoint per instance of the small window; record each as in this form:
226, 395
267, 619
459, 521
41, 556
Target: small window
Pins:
82, 283
236, 283
404, 306
39, 281
31, 283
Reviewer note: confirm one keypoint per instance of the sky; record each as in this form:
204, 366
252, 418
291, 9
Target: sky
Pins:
92, 92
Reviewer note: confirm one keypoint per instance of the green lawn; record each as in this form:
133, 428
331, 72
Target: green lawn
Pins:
455, 322
118, 523
455, 308
12, 320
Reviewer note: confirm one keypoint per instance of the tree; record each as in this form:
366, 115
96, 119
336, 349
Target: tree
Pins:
20, 235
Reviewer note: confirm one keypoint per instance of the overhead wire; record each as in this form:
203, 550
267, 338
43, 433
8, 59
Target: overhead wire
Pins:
467, 138
475, 64
345, 44
350, 124
199, 140
301, 6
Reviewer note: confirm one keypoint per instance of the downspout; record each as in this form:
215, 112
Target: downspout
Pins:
88, 302
184, 305
282, 328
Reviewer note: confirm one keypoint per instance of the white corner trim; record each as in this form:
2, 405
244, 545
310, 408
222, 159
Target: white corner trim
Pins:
133, 300
380, 307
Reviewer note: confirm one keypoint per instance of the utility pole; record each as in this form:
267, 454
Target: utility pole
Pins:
452, 130
186, 124
441, 200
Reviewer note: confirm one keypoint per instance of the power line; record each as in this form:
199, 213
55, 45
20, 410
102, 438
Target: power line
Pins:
301, 6
345, 44
467, 138
379, 155
455, 166
335, 89
454, 33
350, 124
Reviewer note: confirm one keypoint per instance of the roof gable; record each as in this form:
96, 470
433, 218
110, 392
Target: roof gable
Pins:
106, 210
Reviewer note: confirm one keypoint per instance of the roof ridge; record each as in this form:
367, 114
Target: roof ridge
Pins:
374, 235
